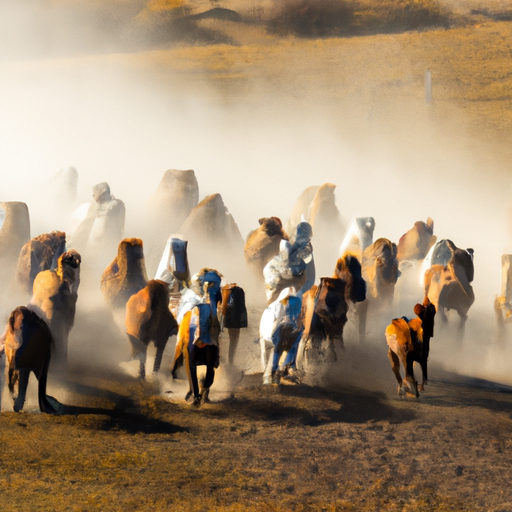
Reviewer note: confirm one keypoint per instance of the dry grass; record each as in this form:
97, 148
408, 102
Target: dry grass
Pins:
308, 18
130, 25
327, 18
165, 5
471, 69
297, 448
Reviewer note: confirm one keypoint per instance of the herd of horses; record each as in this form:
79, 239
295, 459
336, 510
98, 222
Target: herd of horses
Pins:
304, 318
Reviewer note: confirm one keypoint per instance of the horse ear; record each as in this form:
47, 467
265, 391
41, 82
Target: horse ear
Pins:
14, 321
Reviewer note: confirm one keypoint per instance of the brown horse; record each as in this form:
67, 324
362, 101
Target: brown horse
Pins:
54, 299
262, 244
126, 274
233, 315
348, 269
37, 255
28, 345
448, 286
380, 271
148, 318
405, 342
324, 316
415, 244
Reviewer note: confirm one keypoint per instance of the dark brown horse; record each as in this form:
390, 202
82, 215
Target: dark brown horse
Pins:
324, 317
28, 346
148, 318
198, 345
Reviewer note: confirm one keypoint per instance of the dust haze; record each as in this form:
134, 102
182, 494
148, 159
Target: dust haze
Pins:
259, 140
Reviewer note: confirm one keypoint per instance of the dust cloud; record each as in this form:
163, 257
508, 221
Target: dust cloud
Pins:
125, 118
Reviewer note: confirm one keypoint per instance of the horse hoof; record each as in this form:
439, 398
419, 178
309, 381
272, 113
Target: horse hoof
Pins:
197, 401
291, 379
54, 406
205, 396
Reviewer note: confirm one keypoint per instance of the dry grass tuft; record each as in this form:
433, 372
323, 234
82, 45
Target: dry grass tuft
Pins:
134, 25
164, 5
312, 18
389, 16
331, 18
496, 14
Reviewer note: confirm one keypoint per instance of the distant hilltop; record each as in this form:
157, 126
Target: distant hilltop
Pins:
73, 27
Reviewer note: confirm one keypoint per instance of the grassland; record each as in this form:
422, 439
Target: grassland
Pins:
347, 444
122, 446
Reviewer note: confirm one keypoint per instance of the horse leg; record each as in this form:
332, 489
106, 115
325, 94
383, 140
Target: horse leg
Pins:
331, 356
142, 366
185, 359
139, 352
275, 373
263, 354
158, 357
412, 385
178, 357
313, 348
23, 375
267, 358
290, 363
299, 360
211, 362
47, 404
395, 366
192, 375
423, 362
13, 377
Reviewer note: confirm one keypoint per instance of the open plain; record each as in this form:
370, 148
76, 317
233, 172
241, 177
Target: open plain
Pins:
126, 89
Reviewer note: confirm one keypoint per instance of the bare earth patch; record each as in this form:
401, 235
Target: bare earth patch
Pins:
301, 447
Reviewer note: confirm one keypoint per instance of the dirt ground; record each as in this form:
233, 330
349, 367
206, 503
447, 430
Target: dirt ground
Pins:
124, 446
261, 110
341, 440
